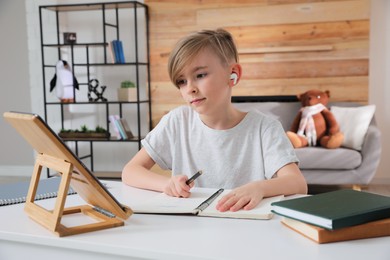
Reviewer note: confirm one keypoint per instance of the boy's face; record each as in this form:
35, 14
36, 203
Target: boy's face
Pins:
204, 84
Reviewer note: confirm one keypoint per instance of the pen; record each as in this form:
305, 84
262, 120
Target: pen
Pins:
208, 202
196, 175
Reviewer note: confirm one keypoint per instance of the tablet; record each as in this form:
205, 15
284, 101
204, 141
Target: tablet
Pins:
44, 141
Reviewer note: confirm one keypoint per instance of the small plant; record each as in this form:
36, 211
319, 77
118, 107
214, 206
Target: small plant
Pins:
84, 129
127, 84
100, 129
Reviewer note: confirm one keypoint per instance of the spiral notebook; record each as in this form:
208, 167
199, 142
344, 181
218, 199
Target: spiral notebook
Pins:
14, 193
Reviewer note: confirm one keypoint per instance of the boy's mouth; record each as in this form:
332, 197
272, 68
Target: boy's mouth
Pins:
197, 100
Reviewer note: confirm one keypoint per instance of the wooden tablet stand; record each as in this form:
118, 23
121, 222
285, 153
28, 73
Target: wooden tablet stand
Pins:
52, 219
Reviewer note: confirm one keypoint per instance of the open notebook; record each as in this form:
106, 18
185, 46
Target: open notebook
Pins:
202, 202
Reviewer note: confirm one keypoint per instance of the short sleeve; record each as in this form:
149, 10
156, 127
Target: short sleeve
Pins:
277, 149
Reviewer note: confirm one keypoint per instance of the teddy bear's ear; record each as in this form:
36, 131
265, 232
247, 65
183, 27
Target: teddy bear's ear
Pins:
327, 92
301, 96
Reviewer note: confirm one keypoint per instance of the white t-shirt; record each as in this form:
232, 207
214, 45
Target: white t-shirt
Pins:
252, 150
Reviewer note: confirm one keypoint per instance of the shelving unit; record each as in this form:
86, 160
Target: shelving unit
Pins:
95, 25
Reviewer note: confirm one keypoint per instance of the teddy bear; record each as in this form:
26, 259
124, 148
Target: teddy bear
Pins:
315, 124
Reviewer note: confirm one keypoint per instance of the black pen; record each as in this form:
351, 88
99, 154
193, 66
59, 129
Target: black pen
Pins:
208, 202
196, 175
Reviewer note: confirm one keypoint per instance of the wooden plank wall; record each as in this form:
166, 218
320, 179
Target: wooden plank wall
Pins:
286, 46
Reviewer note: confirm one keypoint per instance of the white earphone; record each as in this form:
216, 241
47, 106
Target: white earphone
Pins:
234, 77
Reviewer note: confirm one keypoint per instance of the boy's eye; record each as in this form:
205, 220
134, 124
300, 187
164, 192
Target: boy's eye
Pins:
181, 83
201, 75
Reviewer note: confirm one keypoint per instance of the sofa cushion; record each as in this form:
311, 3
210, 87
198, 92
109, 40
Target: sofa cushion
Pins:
321, 158
354, 122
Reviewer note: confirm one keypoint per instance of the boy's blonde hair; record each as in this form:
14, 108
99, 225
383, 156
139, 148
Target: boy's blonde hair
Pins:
219, 41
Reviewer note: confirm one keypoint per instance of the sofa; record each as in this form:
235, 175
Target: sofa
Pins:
320, 166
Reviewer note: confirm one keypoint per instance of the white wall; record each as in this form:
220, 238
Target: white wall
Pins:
16, 156
21, 75
379, 91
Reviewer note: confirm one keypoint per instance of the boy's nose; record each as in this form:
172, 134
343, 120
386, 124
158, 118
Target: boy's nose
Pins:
192, 88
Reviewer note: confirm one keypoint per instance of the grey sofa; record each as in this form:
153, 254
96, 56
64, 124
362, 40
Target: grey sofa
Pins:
320, 166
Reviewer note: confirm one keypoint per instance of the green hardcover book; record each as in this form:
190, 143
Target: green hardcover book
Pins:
336, 209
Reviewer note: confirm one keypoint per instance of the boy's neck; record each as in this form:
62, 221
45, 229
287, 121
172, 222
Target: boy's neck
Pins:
224, 120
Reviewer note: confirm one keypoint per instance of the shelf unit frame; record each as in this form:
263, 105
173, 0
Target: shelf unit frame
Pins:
103, 7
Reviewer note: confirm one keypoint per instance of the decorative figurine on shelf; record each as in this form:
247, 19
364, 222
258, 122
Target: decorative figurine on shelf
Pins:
92, 88
70, 37
64, 81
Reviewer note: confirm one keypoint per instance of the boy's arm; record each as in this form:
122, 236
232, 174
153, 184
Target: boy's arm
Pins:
289, 180
137, 173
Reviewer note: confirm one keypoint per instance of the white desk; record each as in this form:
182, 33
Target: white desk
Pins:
172, 237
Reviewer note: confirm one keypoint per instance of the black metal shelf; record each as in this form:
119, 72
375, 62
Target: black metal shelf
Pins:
81, 45
94, 6
104, 64
98, 103
89, 48
111, 139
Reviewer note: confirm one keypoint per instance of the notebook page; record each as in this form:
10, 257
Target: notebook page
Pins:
164, 204
261, 211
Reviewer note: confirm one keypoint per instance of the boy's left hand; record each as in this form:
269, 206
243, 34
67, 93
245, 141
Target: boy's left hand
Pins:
245, 197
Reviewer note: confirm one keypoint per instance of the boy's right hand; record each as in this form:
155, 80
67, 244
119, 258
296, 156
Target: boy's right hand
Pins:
177, 186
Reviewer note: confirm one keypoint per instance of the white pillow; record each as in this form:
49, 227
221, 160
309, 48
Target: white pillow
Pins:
353, 122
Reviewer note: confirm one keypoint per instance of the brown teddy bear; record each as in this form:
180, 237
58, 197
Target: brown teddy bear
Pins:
315, 124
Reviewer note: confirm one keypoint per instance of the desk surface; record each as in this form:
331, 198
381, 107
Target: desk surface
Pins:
172, 237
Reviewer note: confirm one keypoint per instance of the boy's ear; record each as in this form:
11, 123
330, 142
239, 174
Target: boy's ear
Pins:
235, 74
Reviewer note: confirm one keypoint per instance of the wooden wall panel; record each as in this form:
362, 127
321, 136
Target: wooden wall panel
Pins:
269, 26
326, 11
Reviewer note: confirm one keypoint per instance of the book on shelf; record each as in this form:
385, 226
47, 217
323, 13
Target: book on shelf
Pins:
336, 209
202, 202
111, 52
378, 228
120, 52
14, 193
114, 126
117, 50
126, 128
121, 127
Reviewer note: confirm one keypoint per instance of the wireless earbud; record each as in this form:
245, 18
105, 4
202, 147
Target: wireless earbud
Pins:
234, 77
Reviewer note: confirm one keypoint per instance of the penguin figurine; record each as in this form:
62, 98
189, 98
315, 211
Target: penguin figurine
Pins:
64, 82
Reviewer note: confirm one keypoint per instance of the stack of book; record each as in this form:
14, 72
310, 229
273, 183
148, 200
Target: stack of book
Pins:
115, 48
120, 127
337, 216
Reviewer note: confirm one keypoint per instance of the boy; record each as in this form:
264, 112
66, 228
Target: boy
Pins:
246, 152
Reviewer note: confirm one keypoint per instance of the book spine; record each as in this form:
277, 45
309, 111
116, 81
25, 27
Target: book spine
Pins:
320, 235
127, 128
116, 51
120, 52
111, 52
114, 126
363, 218
120, 127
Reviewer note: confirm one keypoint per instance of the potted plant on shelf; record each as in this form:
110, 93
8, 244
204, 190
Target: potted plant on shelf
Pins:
84, 132
127, 92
